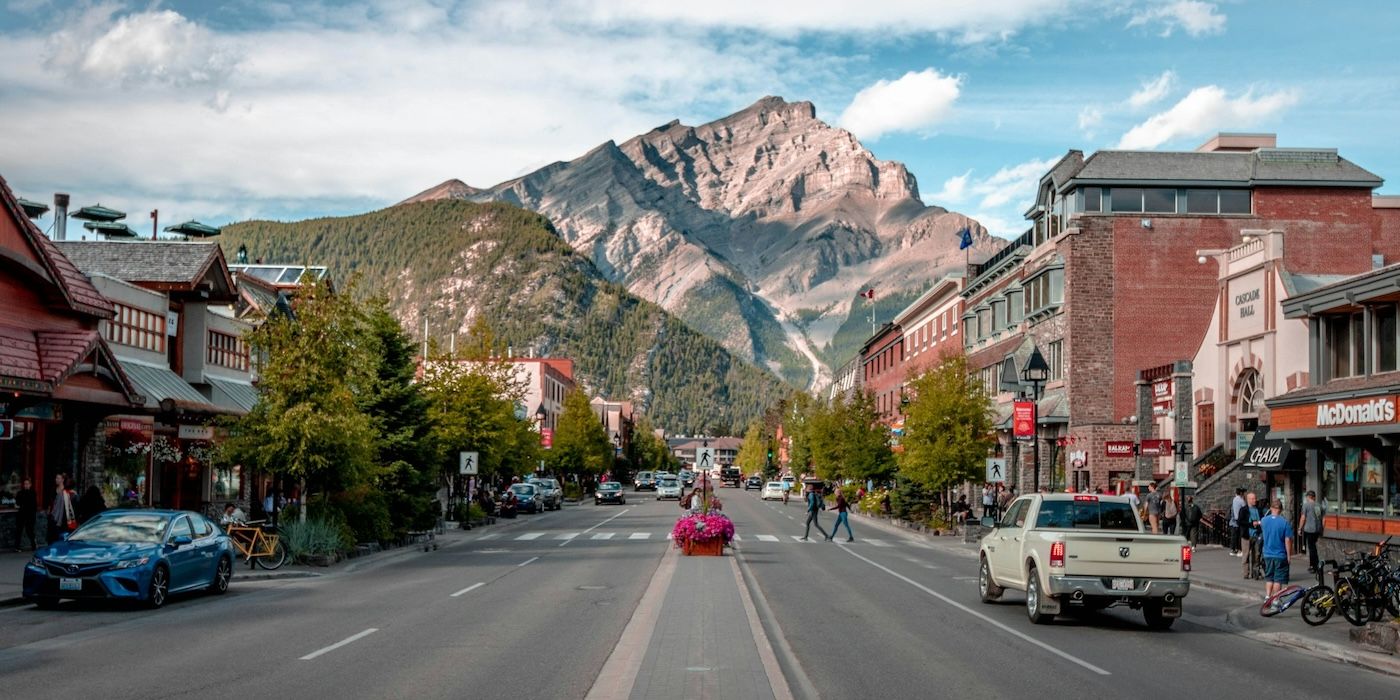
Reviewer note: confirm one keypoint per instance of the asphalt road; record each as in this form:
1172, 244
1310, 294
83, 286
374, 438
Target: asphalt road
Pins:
534, 608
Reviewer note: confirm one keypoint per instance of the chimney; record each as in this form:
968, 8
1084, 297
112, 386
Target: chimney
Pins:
60, 216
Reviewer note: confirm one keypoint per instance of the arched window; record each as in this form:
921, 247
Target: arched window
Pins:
1250, 390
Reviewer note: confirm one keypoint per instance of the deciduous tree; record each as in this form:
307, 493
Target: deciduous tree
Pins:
947, 427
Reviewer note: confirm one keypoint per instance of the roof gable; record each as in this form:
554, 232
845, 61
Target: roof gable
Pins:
74, 289
159, 265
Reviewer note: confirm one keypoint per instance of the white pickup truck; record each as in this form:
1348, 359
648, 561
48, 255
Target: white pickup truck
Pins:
1073, 552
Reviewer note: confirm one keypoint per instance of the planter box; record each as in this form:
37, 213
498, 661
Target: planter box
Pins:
319, 559
712, 548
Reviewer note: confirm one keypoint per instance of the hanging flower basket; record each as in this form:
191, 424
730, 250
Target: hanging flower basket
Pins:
703, 534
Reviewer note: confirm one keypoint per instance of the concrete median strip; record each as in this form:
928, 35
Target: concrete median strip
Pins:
620, 671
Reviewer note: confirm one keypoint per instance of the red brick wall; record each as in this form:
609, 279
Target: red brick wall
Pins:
884, 370
1387, 238
1326, 230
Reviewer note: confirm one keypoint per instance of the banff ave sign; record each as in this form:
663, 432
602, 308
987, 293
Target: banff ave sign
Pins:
1381, 410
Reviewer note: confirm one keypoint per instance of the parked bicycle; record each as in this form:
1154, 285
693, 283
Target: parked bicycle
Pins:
1368, 585
260, 545
1319, 601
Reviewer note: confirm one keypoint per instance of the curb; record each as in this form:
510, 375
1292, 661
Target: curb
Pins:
1330, 651
912, 535
272, 576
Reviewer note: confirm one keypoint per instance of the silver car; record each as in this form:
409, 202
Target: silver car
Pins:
668, 487
550, 491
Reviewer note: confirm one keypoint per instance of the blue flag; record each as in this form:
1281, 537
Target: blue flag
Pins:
966, 235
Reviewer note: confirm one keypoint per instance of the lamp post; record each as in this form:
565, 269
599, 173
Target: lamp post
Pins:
1035, 372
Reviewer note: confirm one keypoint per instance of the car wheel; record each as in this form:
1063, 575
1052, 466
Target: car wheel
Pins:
159, 588
1152, 613
988, 589
1034, 597
222, 575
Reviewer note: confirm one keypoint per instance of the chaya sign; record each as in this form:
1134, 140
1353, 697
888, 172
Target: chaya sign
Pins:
1023, 421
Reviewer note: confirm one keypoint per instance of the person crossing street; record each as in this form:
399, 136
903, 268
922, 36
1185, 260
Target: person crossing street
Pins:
842, 518
815, 505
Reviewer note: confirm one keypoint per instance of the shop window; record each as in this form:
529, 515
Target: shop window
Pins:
1392, 487
1362, 483
1384, 332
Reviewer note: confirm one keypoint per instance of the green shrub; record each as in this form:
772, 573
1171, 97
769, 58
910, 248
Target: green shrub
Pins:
314, 536
476, 512
573, 491
366, 511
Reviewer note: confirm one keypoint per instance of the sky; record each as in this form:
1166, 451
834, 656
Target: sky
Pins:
231, 110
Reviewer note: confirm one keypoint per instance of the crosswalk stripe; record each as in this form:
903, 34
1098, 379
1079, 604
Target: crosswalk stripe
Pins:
491, 536
767, 538
530, 536
602, 535
566, 536
798, 538
879, 543
639, 536
670, 536
737, 538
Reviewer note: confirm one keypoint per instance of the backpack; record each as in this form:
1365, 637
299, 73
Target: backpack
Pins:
1170, 511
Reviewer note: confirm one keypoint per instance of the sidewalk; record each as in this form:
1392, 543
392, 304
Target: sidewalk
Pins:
1213, 569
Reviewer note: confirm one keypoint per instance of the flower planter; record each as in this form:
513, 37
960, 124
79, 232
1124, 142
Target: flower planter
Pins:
710, 548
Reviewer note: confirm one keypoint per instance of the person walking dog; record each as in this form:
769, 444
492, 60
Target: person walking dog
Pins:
815, 505
842, 518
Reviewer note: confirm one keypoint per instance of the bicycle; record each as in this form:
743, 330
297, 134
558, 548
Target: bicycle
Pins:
1369, 586
257, 545
1319, 601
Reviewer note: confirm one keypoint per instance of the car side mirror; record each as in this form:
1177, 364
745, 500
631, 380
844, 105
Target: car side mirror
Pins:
181, 540
65, 535
989, 522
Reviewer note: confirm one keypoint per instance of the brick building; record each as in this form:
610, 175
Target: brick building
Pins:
931, 323
1106, 281
882, 371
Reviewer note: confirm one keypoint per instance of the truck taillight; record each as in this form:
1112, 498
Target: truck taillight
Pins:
1057, 554
1186, 557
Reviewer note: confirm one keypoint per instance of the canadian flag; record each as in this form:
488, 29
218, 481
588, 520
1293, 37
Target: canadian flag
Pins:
868, 294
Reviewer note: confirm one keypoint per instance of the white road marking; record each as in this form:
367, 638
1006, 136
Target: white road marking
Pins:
602, 535
1011, 631
491, 536
767, 538
566, 536
878, 543
595, 527
527, 561
737, 538
348, 640
639, 536
798, 538
530, 536
468, 589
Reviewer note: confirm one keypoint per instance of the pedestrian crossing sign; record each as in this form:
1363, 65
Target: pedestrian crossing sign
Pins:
996, 470
704, 458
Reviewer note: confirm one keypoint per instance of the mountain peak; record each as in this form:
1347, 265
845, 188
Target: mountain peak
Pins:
773, 104
449, 189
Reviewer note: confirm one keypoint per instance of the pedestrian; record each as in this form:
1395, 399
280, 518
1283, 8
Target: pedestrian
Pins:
1249, 518
815, 505
1156, 509
1004, 500
885, 503
1134, 500
1236, 505
1277, 535
842, 518
62, 515
91, 504
1192, 516
1310, 524
1169, 515
26, 509
989, 501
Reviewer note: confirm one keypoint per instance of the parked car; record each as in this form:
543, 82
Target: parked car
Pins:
609, 492
644, 481
668, 488
773, 490
550, 491
139, 555
1083, 552
529, 498
753, 482
687, 477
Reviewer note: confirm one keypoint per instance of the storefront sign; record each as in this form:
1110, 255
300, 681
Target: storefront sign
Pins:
1118, 448
1381, 410
1246, 301
196, 432
1156, 448
134, 424
1023, 421
1246, 309
47, 410
172, 323
1268, 453
1078, 459
1162, 392
546, 437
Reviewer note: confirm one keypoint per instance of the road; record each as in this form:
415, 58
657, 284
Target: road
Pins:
535, 608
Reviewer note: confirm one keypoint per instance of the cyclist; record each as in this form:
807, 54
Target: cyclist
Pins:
233, 515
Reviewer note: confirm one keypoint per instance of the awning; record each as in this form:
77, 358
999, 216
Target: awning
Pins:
160, 384
233, 395
1271, 453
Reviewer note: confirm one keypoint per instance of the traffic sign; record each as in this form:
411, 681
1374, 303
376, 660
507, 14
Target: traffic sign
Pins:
704, 458
7, 429
996, 470
467, 462
1183, 474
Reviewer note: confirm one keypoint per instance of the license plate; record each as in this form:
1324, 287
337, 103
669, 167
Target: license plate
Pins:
1122, 584
70, 584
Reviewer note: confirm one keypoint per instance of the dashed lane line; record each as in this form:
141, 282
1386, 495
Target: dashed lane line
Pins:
467, 590
348, 640
527, 561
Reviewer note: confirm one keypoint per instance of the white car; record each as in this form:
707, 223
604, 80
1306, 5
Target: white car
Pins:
668, 488
774, 490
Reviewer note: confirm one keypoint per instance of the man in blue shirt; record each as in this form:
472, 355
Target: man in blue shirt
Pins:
1277, 535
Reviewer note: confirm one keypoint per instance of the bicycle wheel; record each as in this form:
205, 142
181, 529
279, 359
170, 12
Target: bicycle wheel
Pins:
1352, 603
1318, 605
1280, 601
276, 559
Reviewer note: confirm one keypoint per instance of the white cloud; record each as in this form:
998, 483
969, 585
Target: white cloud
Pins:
913, 102
1206, 110
1153, 90
1013, 185
1191, 16
1090, 118
954, 190
160, 47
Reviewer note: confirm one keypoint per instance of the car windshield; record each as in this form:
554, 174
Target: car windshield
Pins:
1086, 513
546, 483
644, 475
775, 484
609, 486
126, 528
668, 482
523, 489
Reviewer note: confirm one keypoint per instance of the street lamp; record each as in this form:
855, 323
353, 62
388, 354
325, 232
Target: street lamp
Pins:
1035, 372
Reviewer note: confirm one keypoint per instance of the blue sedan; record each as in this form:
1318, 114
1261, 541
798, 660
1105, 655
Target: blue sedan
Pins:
139, 555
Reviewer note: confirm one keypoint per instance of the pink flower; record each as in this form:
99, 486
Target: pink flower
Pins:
702, 528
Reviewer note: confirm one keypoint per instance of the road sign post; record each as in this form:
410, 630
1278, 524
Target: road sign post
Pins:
996, 470
704, 458
467, 463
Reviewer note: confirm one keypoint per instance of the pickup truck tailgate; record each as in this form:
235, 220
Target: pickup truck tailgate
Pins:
1123, 554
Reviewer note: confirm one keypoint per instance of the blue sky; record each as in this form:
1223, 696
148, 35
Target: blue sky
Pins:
233, 110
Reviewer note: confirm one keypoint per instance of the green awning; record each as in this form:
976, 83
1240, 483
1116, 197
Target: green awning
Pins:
239, 397
98, 213
32, 209
194, 229
110, 229
160, 384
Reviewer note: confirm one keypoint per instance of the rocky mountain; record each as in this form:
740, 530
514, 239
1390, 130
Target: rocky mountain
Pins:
758, 229
450, 261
